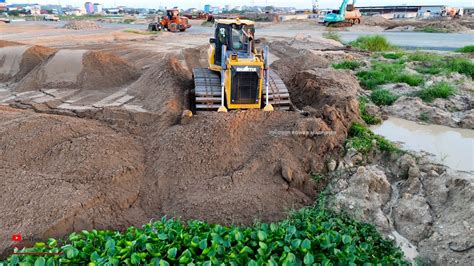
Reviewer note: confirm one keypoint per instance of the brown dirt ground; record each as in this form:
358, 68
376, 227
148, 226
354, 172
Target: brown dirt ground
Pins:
4, 43
117, 168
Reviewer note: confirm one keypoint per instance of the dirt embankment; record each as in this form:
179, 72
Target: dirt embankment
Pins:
424, 207
447, 25
133, 167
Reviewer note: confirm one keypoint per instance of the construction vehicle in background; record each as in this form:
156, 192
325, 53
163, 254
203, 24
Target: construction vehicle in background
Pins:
51, 17
172, 21
452, 12
200, 15
238, 76
346, 16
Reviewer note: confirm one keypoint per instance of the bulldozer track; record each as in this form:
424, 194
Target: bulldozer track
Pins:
207, 91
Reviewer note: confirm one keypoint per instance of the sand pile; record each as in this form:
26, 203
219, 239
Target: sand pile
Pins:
448, 26
227, 168
33, 57
81, 25
288, 67
377, 21
71, 174
79, 69
17, 60
161, 88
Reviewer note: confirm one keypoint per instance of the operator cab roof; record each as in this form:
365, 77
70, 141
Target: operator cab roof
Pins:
235, 21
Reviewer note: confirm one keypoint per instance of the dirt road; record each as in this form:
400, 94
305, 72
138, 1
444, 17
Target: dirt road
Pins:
52, 35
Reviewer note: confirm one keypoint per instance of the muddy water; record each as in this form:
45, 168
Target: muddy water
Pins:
453, 147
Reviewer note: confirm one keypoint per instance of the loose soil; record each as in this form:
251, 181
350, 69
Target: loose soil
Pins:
109, 167
114, 168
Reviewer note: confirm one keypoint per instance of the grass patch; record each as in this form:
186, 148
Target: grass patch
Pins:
332, 35
312, 235
364, 140
430, 29
435, 64
375, 43
424, 117
383, 97
383, 73
141, 32
439, 90
368, 118
423, 57
347, 64
466, 49
393, 56
461, 65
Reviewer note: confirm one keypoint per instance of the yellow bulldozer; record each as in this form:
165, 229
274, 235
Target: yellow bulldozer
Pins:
238, 76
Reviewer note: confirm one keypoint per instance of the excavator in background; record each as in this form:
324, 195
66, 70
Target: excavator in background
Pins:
238, 76
346, 16
171, 22
452, 12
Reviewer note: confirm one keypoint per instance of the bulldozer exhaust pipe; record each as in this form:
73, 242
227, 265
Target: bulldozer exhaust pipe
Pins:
222, 109
268, 107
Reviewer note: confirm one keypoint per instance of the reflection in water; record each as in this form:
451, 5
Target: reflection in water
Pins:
453, 147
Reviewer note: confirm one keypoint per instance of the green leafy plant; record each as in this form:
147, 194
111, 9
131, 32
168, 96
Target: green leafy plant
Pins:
347, 64
383, 97
313, 235
365, 141
383, 73
438, 90
429, 63
461, 65
423, 56
375, 43
368, 118
332, 35
466, 49
424, 117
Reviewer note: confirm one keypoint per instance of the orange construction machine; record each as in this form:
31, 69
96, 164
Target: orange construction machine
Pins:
171, 22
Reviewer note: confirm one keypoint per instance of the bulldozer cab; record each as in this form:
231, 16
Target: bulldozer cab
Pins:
170, 13
236, 35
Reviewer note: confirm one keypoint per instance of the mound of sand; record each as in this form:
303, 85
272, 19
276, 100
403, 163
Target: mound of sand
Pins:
63, 174
81, 25
17, 60
288, 67
79, 69
448, 26
33, 57
377, 21
229, 168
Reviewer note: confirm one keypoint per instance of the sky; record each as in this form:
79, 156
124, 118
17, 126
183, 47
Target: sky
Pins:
200, 3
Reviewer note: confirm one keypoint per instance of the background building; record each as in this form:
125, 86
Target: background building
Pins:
89, 7
98, 8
